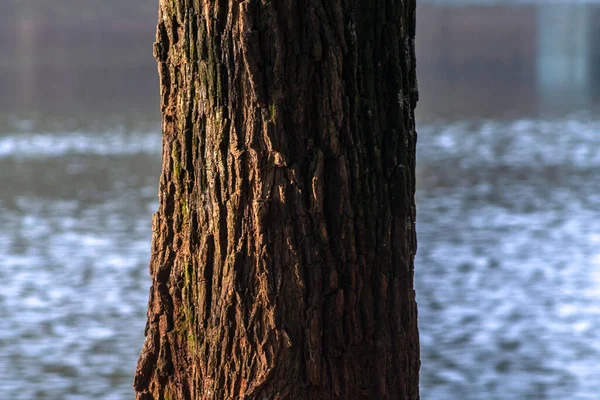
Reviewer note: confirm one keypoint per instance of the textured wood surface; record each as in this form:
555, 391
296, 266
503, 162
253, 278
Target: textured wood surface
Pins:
283, 248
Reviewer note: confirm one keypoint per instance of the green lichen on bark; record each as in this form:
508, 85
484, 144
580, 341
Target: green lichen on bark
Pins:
176, 159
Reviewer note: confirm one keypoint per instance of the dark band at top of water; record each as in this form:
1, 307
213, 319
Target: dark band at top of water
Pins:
499, 61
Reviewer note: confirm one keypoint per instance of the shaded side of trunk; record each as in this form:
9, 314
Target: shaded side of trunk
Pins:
283, 248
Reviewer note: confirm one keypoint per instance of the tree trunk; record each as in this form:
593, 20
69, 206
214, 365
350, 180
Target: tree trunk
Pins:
283, 248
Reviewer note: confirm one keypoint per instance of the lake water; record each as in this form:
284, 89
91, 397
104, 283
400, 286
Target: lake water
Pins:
508, 267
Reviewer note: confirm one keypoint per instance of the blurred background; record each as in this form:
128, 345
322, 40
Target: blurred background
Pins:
508, 267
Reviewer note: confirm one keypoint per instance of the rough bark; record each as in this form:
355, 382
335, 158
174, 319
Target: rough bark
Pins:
283, 248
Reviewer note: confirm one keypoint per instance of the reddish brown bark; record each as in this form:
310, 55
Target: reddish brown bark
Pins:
282, 257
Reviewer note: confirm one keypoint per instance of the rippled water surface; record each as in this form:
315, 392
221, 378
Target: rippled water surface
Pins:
508, 278
508, 266
74, 245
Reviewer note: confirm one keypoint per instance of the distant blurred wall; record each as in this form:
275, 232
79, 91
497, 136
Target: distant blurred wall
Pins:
484, 61
563, 57
476, 60
80, 57
594, 35
76, 57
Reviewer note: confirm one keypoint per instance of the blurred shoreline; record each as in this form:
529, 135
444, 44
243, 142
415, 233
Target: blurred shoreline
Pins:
490, 61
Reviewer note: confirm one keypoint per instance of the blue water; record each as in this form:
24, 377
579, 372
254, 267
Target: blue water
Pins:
508, 269
507, 273
75, 213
